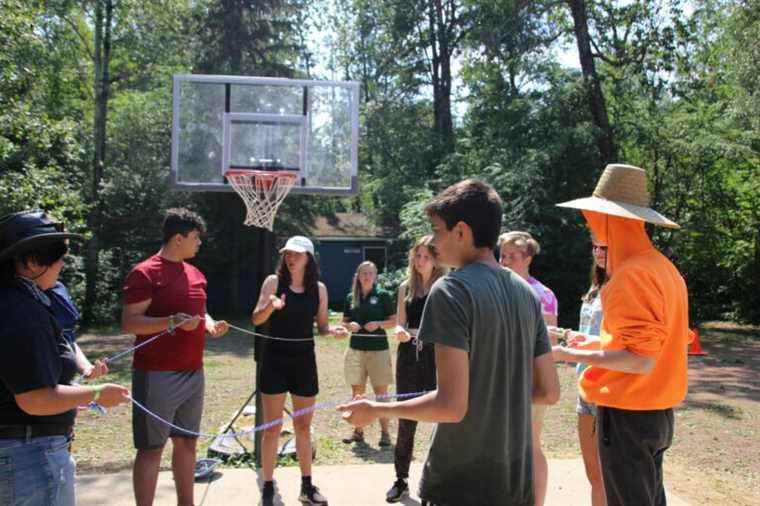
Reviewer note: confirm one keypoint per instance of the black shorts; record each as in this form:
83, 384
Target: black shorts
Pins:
297, 374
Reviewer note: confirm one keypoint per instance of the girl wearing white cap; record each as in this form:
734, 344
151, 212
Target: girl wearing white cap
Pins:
290, 301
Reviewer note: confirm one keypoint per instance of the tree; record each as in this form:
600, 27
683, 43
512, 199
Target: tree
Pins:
606, 138
102, 85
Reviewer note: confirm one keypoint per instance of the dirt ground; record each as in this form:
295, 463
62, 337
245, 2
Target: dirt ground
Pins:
715, 458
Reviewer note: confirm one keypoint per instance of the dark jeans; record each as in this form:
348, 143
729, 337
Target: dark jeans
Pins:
631, 447
414, 373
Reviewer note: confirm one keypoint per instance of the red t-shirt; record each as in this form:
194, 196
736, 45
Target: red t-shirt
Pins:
172, 287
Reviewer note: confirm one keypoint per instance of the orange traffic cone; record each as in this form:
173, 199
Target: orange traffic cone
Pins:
695, 347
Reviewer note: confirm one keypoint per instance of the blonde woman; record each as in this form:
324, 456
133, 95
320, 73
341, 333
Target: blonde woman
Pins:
415, 367
516, 252
369, 310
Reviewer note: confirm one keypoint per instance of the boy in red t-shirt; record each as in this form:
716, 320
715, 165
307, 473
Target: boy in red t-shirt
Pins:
160, 293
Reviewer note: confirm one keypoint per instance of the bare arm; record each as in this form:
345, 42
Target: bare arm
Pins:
447, 404
62, 398
545, 380
213, 327
551, 321
84, 366
323, 319
615, 360
381, 324
264, 307
402, 334
134, 321
401, 305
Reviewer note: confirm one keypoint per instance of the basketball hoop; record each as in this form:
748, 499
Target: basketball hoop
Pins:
262, 192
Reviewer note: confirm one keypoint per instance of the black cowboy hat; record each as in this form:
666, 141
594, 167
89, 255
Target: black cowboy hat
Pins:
20, 232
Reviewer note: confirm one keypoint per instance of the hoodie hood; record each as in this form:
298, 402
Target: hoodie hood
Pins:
624, 237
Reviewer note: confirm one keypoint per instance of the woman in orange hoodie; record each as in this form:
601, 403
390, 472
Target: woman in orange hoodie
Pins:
638, 366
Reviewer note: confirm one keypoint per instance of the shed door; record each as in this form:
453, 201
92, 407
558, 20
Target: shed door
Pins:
338, 262
376, 255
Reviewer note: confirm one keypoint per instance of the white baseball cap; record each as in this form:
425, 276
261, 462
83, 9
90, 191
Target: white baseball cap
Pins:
299, 244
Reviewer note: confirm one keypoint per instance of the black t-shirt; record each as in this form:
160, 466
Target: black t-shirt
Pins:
294, 321
414, 309
35, 354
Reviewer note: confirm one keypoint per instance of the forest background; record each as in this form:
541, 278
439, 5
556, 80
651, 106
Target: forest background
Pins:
534, 97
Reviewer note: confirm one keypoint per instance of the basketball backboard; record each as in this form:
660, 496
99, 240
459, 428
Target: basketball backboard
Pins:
228, 122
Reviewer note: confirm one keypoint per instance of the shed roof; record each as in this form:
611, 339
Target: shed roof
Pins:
347, 226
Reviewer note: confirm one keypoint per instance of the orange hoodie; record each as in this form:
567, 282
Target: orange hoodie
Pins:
645, 312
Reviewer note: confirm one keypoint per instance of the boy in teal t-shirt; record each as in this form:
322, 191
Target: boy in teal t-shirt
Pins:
493, 358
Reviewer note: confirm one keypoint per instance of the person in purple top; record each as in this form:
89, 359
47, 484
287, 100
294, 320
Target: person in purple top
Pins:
516, 252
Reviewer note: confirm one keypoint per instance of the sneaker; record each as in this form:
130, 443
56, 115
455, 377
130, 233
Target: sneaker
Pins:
385, 439
310, 495
399, 489
357, 436
267, 495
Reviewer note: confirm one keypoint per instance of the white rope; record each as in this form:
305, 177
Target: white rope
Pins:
274, 338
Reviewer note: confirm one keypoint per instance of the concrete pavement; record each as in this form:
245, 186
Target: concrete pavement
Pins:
351, 485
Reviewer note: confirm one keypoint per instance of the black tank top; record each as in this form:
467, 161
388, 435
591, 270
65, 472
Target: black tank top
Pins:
294, 321
414, 311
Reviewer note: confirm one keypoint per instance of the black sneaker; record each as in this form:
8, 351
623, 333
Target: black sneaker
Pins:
357, 436
267, 495
310, 495
397, 492
385, 439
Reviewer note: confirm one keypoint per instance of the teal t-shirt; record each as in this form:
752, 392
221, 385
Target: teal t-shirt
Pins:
493, 315
376, 306
590, 322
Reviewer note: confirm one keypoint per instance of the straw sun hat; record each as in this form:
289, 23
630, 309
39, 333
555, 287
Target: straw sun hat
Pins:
622, 191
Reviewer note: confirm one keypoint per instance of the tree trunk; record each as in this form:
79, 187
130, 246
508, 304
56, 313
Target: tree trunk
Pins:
101, 81
606, 141
441, 74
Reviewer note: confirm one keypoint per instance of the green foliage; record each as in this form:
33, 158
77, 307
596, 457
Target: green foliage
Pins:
390, 280
413, 219
681, 91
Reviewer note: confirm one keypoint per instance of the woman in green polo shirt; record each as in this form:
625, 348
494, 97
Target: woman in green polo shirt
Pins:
369, 310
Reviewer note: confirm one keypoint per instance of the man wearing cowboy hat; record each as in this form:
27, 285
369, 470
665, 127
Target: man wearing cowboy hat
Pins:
638, 365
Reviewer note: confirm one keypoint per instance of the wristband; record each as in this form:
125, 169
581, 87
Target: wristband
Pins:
172, 325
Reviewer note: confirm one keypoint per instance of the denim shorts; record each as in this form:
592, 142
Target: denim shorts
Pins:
38, 471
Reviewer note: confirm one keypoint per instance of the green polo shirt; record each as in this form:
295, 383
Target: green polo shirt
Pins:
375, 307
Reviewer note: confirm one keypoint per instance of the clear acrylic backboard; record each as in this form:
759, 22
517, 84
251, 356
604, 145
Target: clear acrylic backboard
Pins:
254, 123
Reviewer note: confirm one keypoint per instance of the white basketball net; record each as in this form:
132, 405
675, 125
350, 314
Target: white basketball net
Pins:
262, 192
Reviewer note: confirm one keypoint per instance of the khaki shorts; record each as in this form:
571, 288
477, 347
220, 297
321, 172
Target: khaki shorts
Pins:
360, 364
